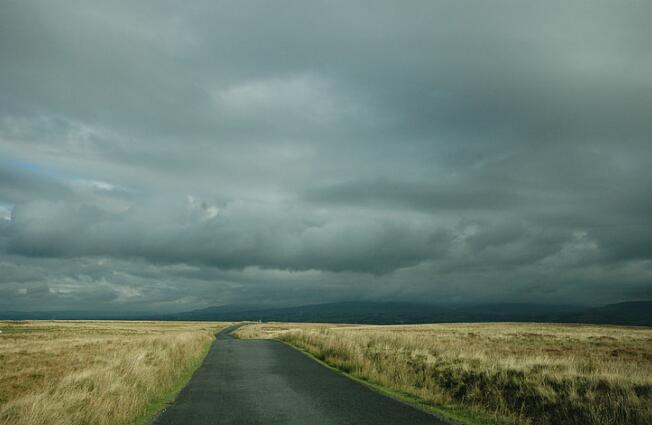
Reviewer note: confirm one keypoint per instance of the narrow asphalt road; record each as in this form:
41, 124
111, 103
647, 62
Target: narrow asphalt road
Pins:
267, 382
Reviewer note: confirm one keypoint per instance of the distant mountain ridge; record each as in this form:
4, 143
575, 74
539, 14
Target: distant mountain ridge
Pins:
635, 313
627, 313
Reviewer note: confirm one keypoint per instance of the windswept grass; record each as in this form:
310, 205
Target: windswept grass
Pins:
94, 372
510, 373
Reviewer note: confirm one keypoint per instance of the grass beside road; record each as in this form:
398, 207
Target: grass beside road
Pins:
497, 372
95, 372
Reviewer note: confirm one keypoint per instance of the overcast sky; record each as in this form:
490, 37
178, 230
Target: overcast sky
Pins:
165, 155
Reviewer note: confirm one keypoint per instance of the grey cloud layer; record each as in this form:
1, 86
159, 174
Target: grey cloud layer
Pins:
323, 151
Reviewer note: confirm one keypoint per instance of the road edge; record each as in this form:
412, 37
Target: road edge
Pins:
158, 406
449, 415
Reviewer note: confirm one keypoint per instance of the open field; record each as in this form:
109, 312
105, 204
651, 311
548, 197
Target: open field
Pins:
95, 372
508, 373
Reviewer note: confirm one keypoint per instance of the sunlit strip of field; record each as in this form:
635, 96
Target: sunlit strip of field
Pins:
95, 372
508, 373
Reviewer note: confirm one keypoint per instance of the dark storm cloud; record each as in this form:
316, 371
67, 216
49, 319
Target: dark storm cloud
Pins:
161, 157
455, 196
237, 236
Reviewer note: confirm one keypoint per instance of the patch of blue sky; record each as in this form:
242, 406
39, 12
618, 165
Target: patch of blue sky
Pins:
34, 167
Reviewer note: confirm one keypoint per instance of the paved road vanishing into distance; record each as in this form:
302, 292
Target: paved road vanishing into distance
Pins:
267, 382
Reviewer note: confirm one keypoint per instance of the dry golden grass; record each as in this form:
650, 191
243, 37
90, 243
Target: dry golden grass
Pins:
511, 373
94, 372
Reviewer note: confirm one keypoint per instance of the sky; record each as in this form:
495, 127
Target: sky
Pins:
161, 156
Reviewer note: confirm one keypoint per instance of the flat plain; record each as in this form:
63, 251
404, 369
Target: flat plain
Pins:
95, 372
505, 373
109, 373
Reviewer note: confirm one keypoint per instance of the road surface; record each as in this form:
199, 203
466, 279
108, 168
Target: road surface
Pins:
267, 382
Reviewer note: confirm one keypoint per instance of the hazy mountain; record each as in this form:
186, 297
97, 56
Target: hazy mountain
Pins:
631, 313
627, 313
344, 312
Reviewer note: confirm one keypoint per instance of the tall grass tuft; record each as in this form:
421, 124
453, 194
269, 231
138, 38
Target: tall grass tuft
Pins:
512, 373
103, 373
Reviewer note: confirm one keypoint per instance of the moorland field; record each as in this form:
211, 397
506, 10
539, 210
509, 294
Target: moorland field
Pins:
95, 372
106, 373
509, 373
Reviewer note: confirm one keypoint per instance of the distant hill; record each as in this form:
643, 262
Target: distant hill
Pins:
344, 312
627, 313
637, 313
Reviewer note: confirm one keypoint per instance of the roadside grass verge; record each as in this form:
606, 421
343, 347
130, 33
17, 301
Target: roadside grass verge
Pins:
456, 414
96, 372
493, 373
169, 396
